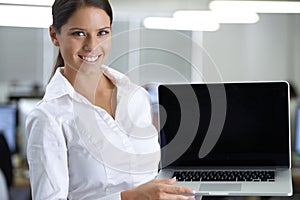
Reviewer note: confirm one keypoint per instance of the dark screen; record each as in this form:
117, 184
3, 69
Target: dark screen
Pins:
255, 129
8, 125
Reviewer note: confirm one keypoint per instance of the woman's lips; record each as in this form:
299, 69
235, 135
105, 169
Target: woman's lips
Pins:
89, 58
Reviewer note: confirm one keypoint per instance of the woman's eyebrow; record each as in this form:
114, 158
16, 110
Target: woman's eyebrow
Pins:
82, 29
107, 27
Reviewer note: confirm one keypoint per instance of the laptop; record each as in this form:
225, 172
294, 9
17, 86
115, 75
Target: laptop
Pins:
226, 139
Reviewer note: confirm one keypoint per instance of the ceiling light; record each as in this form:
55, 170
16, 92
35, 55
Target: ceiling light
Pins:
257, 6
179, 24
28, 2
25, 16
203, 16
220, 16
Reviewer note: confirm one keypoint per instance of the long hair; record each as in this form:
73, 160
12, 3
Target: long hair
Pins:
62, 10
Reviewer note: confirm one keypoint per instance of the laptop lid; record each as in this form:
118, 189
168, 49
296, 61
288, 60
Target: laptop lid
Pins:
225, 124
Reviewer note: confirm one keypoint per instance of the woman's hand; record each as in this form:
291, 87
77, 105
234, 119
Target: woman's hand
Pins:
158, 190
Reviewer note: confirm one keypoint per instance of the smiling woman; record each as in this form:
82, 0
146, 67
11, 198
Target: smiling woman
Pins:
91, 137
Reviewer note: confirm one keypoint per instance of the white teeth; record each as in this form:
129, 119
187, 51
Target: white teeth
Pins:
90, 59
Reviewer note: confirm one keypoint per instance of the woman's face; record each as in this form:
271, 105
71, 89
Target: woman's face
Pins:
84, 41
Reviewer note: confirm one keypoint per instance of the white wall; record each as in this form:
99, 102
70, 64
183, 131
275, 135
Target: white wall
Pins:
262, 51
26, 55
21, 54
296, 52
150, 55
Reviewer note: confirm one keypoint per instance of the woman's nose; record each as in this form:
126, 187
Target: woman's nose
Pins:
91, 43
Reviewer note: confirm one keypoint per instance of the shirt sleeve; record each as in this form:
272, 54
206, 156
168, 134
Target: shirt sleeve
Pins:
114, 196
47, 157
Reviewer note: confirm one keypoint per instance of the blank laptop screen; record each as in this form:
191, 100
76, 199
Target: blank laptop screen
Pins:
255, 129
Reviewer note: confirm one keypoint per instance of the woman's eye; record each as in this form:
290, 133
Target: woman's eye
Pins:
79, 34
102, 33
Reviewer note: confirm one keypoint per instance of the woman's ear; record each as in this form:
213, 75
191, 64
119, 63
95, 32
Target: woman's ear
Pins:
53, 36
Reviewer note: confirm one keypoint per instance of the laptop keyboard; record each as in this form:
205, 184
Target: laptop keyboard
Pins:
232, 176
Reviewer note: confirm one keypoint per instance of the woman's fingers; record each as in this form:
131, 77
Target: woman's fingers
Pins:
170, 188
165, 181
167, 190
159, 190
178, 190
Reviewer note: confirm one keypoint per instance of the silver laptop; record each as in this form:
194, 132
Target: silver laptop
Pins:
226, 138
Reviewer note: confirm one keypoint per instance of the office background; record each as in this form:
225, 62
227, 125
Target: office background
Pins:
266, 50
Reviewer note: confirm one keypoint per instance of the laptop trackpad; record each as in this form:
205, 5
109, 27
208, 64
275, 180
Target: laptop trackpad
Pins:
221, 187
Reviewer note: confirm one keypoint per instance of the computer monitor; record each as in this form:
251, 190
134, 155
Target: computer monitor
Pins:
8, 121
297, 143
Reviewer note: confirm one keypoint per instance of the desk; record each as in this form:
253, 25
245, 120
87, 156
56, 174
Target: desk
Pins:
21, 185
296, 172
20, 189
296, 180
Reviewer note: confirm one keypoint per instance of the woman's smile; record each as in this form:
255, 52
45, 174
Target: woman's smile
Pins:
90, 59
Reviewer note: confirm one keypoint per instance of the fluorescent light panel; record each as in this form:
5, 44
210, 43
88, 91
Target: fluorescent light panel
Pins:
220, 16
25, 16
166, 23
28, 2
199, 20
256, 6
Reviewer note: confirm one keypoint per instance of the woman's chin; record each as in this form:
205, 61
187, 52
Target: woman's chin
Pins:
90, 68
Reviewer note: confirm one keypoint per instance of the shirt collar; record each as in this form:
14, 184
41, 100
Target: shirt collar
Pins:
116, 77
59, 86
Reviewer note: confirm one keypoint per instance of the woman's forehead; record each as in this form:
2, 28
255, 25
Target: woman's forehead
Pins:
89, 16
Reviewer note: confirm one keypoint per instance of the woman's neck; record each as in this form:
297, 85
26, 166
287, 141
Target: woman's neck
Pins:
96, 87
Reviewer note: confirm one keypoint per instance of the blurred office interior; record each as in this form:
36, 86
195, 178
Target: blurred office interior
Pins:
265, 50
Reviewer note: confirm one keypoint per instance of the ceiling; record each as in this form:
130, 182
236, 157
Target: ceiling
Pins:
125, 9
143, 8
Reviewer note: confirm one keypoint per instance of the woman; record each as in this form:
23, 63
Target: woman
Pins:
91, 136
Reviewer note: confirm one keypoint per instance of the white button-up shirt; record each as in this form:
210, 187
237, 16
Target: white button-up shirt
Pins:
78, 151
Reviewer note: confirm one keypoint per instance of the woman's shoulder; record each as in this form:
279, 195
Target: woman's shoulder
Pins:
41, 111
49, 110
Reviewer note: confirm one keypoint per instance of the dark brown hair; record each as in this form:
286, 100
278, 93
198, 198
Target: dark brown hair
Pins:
62, 10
